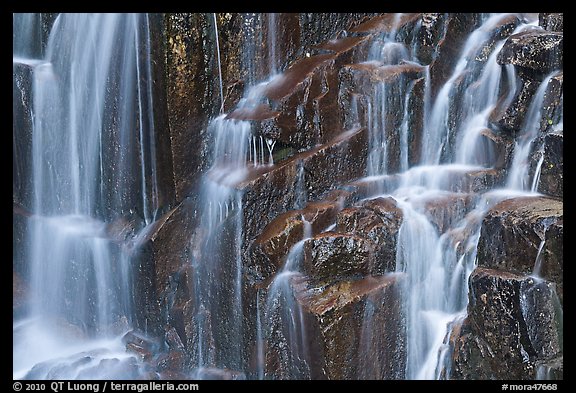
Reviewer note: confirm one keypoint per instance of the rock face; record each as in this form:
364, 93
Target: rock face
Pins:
163, 272
377, 220
354, 330
524, 235
330, 256
22, 133
271, 247
512, 320
538, 51
552, 169
344, 299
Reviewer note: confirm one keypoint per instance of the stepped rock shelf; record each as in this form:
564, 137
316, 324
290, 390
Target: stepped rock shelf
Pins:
288, 196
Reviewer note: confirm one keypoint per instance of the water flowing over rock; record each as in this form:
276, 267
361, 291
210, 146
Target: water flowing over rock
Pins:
234, 196
535, 50
524, 235
503, 318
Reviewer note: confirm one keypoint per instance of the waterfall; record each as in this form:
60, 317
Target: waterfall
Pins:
284, 316
218, 238
272, 43
27, 36
439, 262
519, 169
89, 150
346, 253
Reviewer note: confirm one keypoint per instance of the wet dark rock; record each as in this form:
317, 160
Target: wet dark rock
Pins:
162, 253
502, 29
427, 37
544, 317
316, 27
173, 339
377, 220
509, 116
416, 120
536, 51
267, 194
506, 324
357, 327
341, 160
191, 94
445, 210
502, 145
22, 101
271, 247
551, 21
552, 105
269, 191
297, 94
173, 361
552, 170
456, 29
332, 256
513, 231
370, 80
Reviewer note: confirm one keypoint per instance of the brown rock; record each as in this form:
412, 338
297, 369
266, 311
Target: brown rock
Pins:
360, 327
271, 247
508, 323
552, 170
377, 220
513, 231
535, 49
173, 361
332, 256
445, 210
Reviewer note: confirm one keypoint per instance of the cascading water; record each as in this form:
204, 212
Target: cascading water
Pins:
94, 164
80, 276
518, 178
284, 317
439, 261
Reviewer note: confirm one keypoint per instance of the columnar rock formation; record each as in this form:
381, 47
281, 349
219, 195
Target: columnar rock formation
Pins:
347, 295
